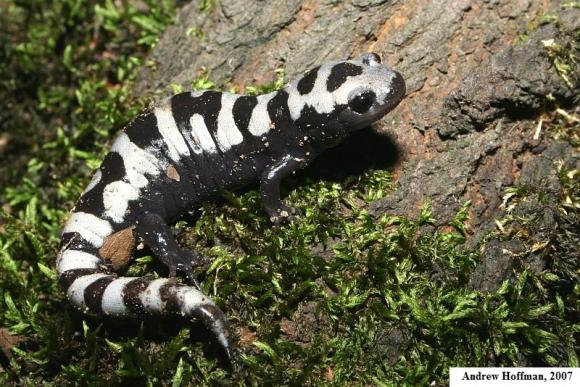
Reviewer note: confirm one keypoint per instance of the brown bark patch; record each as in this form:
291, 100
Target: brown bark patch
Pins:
246, 337
8, 341
172, 173
118, 247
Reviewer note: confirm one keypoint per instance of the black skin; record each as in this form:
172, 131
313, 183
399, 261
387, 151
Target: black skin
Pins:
281, 158
270, 186
151, 229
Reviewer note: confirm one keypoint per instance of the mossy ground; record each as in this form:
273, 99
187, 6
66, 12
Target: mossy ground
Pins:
336, 297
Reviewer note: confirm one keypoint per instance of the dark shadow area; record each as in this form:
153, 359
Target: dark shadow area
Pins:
159, 329
360, 151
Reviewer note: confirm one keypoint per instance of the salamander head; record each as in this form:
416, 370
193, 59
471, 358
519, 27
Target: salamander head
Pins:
370, 94
332, 100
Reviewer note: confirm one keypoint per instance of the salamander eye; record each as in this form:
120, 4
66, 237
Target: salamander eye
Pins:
362, 102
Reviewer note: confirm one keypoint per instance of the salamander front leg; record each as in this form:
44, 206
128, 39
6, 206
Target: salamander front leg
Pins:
270, 186
156, 234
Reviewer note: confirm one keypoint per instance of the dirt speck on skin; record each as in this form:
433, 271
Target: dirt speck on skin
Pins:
172, 173
118, 247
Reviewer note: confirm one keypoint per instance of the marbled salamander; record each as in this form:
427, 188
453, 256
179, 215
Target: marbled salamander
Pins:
187, 149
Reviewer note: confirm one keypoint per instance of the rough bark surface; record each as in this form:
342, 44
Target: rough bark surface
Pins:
476, 90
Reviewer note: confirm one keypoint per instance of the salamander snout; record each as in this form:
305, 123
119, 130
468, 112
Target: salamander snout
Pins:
397, 91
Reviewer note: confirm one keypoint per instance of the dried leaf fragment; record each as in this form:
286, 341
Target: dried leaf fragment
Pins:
118, 247
172, 173
7, 341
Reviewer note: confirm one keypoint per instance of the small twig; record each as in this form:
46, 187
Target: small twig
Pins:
215, 281
568, 117
538, 130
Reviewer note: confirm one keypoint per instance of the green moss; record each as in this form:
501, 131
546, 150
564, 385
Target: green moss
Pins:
269, 87
561, 54
205, 5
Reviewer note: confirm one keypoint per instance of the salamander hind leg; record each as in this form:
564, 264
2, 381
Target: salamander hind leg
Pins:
154, 231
